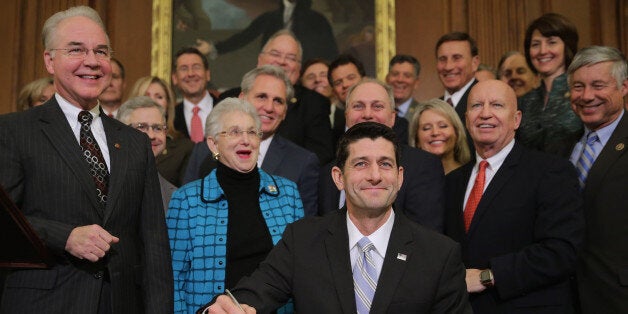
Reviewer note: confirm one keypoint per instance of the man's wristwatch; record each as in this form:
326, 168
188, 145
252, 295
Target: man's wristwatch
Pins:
486, 278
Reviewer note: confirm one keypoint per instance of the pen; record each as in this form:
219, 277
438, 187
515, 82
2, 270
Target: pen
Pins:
234, 299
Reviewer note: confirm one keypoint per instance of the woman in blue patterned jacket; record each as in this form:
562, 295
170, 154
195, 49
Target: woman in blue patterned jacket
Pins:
222, 226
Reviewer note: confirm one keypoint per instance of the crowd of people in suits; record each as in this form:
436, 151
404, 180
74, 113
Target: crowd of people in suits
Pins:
314, 188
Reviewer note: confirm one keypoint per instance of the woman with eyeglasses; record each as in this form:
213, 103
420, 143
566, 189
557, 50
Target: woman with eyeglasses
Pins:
149, 117
223, 225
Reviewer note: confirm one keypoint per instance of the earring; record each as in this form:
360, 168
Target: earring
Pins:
216, 156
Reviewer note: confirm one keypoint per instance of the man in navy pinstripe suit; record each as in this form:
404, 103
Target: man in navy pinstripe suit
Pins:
111, 255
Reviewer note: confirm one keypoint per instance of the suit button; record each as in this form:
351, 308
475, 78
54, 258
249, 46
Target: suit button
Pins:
98, 275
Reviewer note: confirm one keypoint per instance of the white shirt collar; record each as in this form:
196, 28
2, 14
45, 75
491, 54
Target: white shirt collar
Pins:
379, 238
263, 148
456, 96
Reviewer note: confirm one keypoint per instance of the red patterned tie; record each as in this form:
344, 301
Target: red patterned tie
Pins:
93, 155
475, 196
197, 127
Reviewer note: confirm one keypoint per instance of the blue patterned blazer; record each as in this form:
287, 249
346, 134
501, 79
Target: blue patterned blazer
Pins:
197, 227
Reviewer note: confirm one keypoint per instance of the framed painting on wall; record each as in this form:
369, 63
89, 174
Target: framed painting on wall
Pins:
231, 32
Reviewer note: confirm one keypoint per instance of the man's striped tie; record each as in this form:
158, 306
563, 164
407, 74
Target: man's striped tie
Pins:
364, 277
586, 159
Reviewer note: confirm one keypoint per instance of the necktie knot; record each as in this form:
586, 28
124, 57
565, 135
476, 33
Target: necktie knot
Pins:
196, 109
483, 165
365, 245
592, 138
85, 117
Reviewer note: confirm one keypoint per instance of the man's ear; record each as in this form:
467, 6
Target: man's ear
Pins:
336, 175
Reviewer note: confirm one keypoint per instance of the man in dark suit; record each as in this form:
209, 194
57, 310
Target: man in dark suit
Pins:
307, 120
598, 82
190, 74
344, 72
421, 195
106, 232
324, 263
403, 77
516, 213
267, 88
457, 60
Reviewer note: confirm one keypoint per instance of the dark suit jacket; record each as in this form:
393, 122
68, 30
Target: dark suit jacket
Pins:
311, 265
461, 108
411, 110
42, 168
283, 158
306, 123
179, 117
421, 197
603, 268
526, 229
171, 163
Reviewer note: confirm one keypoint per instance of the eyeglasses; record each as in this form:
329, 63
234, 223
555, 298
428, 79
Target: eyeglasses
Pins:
145, 126
101, 53
278, 55
233, 133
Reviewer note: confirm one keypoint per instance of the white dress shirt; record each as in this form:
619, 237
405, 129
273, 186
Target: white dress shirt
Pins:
455, 97
71, 113
206, 104
379, 238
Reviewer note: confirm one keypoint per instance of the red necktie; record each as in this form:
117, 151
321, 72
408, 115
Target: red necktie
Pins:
475, 196
197, 127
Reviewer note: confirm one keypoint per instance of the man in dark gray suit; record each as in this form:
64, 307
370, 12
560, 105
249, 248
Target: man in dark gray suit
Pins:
268, 88
403, 77
598, 81
366, 257
101, 217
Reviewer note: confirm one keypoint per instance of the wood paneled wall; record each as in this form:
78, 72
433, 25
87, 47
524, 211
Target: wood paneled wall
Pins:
497, 25
128, 24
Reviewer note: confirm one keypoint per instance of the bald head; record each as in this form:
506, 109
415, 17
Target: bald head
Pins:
492, 116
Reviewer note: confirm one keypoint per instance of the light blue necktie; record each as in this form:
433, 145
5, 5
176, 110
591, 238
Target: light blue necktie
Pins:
364, 277
585, 162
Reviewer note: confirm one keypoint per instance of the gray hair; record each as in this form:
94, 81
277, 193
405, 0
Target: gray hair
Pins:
50, 26
285, 32
271, 70
596, 54
138, 102
389, 91
215, 119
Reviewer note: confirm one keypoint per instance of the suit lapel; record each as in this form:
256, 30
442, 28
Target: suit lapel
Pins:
55, 126
179, 120
615, 148
394, 265
500, 179
274, 155
337, 247
118, 151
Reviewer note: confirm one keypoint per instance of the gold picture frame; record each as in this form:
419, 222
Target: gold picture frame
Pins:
161, 50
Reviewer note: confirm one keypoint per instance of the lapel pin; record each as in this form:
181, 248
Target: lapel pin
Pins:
116, 145
619, 147
272, 189
293, 100
402, 257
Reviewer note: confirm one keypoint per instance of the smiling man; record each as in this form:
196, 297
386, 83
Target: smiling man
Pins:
598, 79
324, 264
88, 185
191, 75
457, 60
403, 77
517, 213
420, 197
267, 88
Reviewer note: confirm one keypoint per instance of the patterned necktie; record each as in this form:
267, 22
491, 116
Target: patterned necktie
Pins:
475, 196
364, 277
196, 126
586, 158
93, 156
